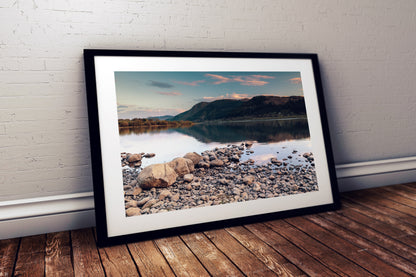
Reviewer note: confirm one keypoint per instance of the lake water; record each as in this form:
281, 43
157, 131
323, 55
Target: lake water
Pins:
272, 138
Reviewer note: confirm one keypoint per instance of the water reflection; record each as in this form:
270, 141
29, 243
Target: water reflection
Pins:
274, 138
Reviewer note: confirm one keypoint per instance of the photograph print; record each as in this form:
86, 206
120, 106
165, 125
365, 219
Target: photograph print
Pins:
197, 139
188, 141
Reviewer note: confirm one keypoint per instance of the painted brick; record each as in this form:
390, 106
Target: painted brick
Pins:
367, 52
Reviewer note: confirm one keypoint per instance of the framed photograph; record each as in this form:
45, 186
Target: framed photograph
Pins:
189, 141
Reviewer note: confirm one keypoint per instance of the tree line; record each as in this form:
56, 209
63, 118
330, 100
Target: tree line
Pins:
145, 122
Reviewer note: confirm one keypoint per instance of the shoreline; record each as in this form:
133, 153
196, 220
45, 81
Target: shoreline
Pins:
219, 178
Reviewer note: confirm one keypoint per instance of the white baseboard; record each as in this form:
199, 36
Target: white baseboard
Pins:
73, 211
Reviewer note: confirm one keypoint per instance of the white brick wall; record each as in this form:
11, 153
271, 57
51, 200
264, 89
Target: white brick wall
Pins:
367, 51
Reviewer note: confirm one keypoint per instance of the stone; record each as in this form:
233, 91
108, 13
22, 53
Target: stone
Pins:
134, 158
149, 203
137, 191
143, 201
156, 176
216, 163
164, 194
235, 158
203, 164
248, 180
131, 204
248, 144
133, 212
194, 157
149, 155
182, 166
175, 197
188, 178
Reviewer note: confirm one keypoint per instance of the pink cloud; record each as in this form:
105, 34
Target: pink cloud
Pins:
219, 79
194, 83
169, 93
263, 76
233, 95
249, 81
297, 80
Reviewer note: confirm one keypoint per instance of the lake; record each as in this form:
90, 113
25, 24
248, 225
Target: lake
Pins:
272, 138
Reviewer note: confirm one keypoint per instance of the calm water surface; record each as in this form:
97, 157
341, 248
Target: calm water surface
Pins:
273, 138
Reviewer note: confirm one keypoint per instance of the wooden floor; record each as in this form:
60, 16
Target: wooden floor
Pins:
373, 234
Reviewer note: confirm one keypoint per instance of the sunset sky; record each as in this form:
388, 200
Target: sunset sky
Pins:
145, 94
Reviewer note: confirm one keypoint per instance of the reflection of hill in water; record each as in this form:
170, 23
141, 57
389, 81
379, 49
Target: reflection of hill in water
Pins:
261, 131
225, 132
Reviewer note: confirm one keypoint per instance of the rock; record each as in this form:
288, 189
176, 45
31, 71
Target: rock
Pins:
194, 157
248, 144
203, 164
256, 187
164, 194
131, 204
182, 166
149, 203
133, 212
188, 178
149, 155
175, 197
216, 162
143, 201
156, 176
138, 164
134, 158
137, 191
248, 180
235, 158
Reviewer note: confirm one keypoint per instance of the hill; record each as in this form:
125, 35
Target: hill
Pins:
256, 107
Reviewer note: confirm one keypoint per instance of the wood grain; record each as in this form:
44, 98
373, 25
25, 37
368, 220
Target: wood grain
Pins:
8, 253
365, 245
117, 261
346, 249
238, 254
58, 255
31, 257
180, 258
149, 259
270, 257
215, 262
85, 254
295, 255
341, 265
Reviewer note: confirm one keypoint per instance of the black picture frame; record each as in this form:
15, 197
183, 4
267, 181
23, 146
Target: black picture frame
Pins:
112, 224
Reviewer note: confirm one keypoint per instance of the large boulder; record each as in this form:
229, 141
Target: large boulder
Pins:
156, 176
134, 158
194, 157
182, 166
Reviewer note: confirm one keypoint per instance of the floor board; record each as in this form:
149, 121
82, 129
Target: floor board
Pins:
374, 234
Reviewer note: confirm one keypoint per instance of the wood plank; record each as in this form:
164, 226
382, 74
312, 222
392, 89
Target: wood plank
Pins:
341, 265
381, 239
379, 208
181, 259
365, 245
410, 185
345, 248
86, 258
402, 190
149, 260
380, 226
304, 261
270, 257
238, 254
368, 196
8, 254
117, 261
58, 255
395, 197
212, 259
403, 226
31, 257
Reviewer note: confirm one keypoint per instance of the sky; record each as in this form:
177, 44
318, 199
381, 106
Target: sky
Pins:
146, 94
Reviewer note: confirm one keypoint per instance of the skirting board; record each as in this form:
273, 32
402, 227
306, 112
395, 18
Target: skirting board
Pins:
32, 216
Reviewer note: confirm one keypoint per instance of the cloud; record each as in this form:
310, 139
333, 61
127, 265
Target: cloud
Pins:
219, 79
193, 84
233, 95
250, 80
170, 93
159, 84
296, 80
135, 111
